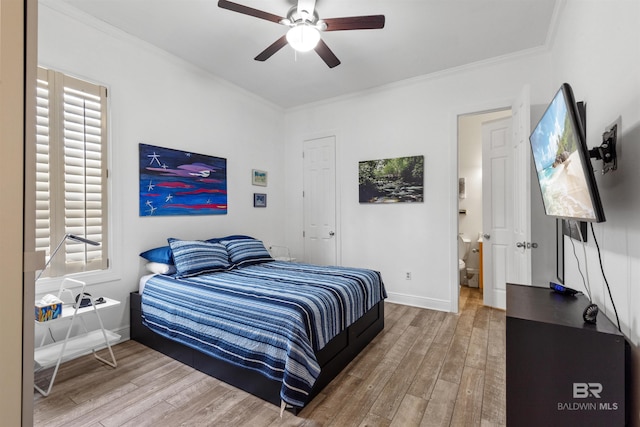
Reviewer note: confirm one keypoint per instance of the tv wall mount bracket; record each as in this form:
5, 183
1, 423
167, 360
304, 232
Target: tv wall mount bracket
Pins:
607, 150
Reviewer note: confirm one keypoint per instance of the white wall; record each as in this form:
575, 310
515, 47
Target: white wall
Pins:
410, 118
597, 51
160, 100
602, 64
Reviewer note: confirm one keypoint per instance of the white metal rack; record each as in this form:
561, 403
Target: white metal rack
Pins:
50, 355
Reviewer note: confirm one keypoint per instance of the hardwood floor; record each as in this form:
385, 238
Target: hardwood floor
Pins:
427, 368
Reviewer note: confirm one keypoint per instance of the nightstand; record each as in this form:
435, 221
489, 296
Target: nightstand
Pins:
52, 355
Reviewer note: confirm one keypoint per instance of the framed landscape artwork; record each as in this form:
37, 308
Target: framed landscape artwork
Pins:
174, 182
259, 177
398, 180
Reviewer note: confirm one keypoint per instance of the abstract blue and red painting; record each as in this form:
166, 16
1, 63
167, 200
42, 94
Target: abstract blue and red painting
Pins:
174, 182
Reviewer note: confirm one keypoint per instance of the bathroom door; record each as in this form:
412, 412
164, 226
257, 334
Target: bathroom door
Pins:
521, 247
505, 201
497, 209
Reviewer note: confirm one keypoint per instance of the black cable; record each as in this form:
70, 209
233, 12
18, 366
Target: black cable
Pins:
584, 282
605, 278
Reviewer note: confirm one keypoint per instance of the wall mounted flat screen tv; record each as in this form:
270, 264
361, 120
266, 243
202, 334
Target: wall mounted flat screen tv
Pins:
562, 162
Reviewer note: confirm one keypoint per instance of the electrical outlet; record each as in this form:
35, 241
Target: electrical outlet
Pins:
407, 275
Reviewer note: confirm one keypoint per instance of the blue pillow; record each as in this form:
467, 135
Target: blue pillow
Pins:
162, 255
193, 257
246, 252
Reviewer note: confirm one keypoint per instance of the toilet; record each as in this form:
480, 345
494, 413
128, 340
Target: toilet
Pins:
463, 252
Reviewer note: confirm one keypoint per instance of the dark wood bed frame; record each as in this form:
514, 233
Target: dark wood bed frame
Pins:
337, 354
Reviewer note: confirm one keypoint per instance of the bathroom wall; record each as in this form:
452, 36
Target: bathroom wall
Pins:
470, 167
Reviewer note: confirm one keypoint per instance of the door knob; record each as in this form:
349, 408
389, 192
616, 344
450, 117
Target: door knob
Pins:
331, 233
486, 236
521, 245
533, 245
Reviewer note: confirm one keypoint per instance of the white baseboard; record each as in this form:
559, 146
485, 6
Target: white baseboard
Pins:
422, 302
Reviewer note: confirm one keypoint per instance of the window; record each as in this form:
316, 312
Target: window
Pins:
71, 172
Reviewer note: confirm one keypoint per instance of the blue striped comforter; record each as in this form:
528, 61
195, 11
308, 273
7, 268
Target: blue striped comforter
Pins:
269, 317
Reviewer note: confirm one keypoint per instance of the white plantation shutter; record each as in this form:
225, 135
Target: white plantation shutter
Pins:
43, 212
71, 179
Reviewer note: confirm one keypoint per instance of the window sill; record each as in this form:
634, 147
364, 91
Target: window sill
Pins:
52, 284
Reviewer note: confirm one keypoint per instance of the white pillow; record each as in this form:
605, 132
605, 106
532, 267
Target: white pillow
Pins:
160, 268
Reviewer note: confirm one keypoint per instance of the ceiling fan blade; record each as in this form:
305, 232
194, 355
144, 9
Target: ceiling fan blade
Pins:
235, 7
275, 46
306, 6
370, 22
326, 54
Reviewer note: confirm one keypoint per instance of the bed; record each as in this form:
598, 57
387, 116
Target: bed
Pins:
279, 330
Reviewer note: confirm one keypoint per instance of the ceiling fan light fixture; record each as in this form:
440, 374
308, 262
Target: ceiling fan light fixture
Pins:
303, 37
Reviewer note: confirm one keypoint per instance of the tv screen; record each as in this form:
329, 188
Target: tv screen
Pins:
562, 162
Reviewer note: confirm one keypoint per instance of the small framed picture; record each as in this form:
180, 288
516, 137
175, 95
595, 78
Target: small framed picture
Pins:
259, 177
259, 200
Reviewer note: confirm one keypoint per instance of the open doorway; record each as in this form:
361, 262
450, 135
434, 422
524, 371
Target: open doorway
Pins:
470, 183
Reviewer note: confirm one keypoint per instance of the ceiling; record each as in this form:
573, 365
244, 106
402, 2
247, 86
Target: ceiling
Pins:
420, 37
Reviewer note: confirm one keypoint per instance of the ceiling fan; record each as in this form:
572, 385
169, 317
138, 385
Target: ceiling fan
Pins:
304, 28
